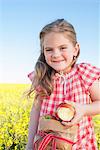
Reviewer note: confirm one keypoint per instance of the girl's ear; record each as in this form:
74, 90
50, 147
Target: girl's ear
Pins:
76, 49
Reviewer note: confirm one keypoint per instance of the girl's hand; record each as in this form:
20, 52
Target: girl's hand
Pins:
79, 114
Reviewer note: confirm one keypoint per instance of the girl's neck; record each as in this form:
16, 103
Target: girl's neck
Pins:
65, 71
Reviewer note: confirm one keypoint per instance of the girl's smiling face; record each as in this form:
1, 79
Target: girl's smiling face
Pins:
59, 51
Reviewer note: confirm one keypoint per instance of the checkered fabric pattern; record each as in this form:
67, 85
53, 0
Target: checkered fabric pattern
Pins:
74, 87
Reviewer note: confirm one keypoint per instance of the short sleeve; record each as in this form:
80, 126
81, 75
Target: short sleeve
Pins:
88, 74
31, 75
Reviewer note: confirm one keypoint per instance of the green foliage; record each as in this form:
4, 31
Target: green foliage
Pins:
14, 117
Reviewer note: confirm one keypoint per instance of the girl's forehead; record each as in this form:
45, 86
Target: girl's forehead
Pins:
55, 35
55, 38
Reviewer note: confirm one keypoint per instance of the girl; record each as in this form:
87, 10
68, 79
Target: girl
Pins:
58, 79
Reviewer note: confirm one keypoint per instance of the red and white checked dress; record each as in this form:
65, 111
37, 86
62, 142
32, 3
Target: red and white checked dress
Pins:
74, 87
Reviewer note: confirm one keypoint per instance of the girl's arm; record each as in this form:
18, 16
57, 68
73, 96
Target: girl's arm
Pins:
94, 107
33, 125
88, 109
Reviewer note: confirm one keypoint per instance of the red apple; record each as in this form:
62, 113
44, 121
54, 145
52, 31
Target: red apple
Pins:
65, 112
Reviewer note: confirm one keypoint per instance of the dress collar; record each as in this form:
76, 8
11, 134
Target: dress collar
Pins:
62, 75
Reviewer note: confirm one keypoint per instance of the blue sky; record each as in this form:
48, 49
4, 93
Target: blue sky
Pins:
21, 22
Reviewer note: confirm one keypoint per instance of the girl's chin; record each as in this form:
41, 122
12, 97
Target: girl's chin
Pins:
64, 70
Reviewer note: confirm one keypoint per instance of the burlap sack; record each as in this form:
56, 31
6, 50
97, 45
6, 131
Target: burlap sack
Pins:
54, 127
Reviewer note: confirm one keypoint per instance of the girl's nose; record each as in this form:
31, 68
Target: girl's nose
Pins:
56, 53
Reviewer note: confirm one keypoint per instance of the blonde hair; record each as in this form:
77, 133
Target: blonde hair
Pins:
42, 75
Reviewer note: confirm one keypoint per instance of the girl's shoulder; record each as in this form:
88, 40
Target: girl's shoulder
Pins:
87, 69
87, 73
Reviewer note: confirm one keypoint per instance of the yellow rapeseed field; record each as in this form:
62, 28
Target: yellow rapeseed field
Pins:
14, 117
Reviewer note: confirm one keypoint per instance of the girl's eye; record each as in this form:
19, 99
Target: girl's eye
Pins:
63, 48
48, 50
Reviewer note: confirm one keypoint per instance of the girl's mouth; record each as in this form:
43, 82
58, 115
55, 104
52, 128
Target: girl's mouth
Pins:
58, 61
